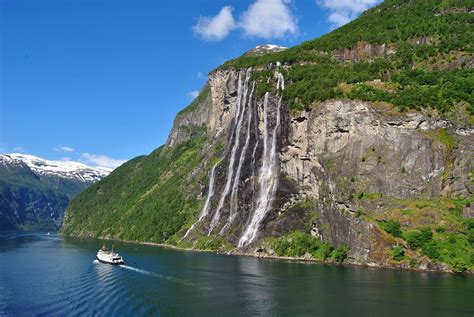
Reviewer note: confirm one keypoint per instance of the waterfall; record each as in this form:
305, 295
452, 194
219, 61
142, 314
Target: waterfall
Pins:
281, 81
235, 186
253, 165
236, 141
268, 174
205, 209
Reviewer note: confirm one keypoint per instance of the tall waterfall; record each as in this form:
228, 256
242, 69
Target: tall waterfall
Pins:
235, 186
205, 209
241, 93
268, 174
244, 124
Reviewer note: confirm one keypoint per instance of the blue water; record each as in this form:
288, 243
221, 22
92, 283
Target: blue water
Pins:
49, 275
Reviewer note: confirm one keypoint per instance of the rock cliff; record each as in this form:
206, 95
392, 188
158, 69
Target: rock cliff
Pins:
327, 158
357, 146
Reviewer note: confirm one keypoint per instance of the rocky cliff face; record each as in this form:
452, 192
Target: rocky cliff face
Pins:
333, 171
364, 51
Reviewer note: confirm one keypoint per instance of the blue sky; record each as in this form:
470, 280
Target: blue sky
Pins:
100, 81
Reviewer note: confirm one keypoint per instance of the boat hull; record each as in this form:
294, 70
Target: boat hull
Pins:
107, 262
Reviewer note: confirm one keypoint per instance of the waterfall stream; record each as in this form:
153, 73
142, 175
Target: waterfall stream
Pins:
241, 106
246, 114
205, 209
268, 174
235, 186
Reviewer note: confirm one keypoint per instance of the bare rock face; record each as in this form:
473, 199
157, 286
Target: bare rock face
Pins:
342, 142
325, 157
352, 139
213, 114
363, 51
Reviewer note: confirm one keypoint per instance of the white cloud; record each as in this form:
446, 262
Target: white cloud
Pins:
268, 19
217, 27
200, 75
344, 11
102, 160
193, 94
18, 149
264, 19
61, 148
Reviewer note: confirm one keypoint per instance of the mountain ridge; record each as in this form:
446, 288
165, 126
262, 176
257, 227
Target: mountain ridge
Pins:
364, 158
65, 169
34, 192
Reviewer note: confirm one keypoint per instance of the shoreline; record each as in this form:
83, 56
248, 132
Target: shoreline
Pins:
276, 257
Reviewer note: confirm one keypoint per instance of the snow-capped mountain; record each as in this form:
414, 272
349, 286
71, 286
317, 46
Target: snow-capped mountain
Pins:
265, 48
64, 169
34, 193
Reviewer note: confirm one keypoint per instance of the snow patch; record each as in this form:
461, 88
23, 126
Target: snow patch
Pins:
65, 169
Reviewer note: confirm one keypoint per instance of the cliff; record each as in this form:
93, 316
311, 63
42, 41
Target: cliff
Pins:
298, 153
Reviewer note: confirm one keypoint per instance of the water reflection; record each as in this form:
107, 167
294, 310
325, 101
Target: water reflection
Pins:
258, 288
65, 280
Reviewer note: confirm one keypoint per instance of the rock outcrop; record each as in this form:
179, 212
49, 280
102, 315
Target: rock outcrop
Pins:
363, 51
327, 156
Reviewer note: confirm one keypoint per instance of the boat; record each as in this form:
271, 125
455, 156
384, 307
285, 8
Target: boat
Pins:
106, 256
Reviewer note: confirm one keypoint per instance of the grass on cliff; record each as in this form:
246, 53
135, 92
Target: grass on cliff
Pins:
314, 76
146, 199
434, 228
297, 244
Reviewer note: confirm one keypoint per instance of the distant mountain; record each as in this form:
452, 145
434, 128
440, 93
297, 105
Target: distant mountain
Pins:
35, 192
265, 49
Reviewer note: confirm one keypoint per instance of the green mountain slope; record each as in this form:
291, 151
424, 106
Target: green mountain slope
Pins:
33, 203
421, 51
34, 193
406, 65
146, 199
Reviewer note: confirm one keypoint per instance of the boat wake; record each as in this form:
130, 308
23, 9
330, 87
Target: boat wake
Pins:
139, 270
149, 273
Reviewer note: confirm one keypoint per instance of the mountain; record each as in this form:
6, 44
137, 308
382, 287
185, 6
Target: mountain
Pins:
357, 146
265, 49
34, 192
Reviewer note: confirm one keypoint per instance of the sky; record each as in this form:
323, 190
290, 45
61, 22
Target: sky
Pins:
100, 81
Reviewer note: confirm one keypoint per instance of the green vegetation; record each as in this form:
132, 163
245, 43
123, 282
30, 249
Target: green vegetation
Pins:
392, 227
146, 199
339, 254
434, 228
398, 253
212, 243
407, 79
451, 248
297, 244
419, 238
448, 140
27, 201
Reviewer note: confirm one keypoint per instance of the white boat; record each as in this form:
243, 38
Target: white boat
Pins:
106, 256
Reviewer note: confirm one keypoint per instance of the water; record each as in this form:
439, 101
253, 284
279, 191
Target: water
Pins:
43, 275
